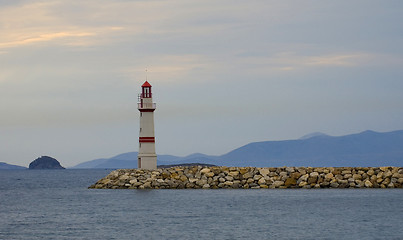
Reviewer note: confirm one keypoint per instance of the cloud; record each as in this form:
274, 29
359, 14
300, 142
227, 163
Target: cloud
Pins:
336, 60
38, 22
45, 37
170, 68
232, 67
292, 61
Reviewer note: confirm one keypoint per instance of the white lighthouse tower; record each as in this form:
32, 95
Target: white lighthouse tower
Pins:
147, 159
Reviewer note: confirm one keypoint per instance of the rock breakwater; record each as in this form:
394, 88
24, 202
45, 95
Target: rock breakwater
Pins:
196, 177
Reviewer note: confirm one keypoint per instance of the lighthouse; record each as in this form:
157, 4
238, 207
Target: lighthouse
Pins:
147, 158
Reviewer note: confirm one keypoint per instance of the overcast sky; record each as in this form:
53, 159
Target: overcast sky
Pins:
224, 73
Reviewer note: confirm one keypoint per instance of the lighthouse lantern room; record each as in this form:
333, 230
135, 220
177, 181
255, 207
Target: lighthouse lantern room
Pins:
147, 158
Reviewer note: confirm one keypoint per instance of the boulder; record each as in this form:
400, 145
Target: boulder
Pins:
368, 184
264, 171
290, 182
205, 170
278, 183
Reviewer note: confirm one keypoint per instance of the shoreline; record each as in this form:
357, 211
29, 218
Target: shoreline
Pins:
198, 177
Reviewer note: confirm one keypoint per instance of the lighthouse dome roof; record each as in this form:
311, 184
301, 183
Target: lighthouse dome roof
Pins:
146, 84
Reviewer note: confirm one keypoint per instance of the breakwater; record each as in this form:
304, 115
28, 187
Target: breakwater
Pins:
195, 177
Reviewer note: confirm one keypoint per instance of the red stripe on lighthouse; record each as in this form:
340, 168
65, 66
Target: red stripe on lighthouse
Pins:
146, 110
146, 139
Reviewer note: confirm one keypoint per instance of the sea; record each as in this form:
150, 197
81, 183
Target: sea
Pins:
57, 204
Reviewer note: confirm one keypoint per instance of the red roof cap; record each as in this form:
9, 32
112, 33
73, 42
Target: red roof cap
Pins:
146, 84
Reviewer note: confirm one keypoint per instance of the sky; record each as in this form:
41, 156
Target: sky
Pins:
224, 73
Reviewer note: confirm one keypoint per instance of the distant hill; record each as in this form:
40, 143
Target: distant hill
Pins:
5, 166
129, 160
315, 134
367, 148
363, 149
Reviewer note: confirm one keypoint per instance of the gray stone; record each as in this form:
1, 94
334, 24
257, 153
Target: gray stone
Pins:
334, 185
278, 183
314, 174
229, 178
368, 184
264, 171
303, 178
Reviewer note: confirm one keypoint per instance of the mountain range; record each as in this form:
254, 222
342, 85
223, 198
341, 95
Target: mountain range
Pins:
6, 166
364, 149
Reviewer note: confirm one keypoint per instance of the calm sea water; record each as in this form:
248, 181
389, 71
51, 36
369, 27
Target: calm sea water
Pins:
56, 204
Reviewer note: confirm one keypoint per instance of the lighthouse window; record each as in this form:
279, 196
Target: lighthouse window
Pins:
147, 92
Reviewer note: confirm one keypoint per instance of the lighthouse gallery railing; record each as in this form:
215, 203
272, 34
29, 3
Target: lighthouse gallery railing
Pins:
146, 105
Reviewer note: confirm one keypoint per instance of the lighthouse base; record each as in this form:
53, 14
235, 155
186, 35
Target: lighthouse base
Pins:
148, 161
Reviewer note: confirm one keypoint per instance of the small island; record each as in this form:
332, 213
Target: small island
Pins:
45, 162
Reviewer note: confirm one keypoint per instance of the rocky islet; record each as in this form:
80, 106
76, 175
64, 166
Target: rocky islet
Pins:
45, 162
198, 177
